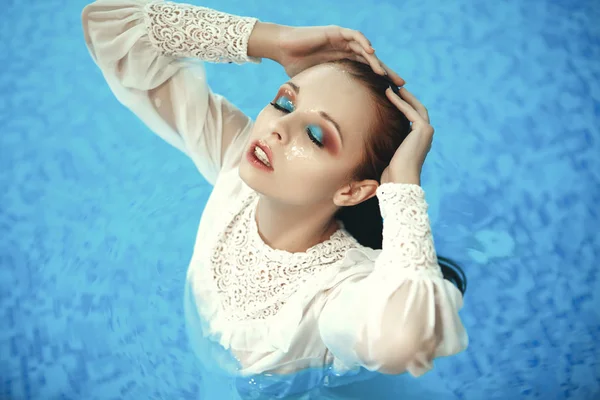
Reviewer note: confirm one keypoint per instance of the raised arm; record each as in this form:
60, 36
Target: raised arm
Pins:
148, 53
404, 314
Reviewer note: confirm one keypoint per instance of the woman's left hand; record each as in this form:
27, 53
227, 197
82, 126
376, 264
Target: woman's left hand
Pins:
408, 160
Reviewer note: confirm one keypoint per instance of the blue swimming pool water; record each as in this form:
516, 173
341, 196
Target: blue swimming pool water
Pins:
98, 216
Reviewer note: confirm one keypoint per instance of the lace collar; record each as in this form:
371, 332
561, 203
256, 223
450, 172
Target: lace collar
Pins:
340, 239
254, 280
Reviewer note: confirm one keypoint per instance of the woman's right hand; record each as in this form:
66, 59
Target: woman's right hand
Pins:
299, 48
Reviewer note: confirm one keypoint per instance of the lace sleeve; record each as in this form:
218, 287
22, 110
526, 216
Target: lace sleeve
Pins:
143, 50
407, 239
183, 30
403, 314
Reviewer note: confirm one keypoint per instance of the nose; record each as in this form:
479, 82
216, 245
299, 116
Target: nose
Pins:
279, 131
277, 136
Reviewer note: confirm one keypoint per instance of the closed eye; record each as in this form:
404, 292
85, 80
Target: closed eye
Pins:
278, 107
314, 132
283, 103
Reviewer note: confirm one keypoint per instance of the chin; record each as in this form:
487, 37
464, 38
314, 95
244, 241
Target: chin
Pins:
253, 178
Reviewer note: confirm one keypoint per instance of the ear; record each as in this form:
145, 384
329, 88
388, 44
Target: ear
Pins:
355, 193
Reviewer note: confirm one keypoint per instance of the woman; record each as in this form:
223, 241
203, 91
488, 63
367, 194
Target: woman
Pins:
292, 283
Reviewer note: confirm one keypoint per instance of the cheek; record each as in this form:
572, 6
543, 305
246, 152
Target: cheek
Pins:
314, 175
299, 151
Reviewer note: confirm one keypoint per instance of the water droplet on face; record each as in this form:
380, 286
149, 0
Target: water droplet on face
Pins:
298, 151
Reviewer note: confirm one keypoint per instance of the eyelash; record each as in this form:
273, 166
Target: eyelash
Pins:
308, 132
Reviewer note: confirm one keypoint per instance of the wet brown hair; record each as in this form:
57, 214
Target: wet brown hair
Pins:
389, 130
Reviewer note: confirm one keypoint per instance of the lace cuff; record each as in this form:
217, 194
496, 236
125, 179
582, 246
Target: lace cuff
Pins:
407, 239
183, 30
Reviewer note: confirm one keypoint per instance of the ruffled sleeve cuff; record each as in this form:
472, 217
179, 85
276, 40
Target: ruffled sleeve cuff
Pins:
404, 313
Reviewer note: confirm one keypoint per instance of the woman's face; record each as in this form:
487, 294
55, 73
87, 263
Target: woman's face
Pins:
312, 137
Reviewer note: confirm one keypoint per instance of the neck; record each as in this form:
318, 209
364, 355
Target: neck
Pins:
294, 228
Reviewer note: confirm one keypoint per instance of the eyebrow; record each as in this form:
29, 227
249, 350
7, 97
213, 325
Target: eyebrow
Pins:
323, 114
328, 118
294, 86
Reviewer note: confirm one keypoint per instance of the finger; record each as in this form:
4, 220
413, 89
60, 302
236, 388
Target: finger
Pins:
371, 58
406, 109
352, 35
341, 55
415, 103
356, 57
393, 75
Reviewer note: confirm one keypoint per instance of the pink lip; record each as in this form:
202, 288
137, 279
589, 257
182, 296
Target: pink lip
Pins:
264, 147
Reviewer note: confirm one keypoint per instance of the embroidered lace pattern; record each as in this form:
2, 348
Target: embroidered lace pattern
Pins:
185, 30
253, 280
407, 231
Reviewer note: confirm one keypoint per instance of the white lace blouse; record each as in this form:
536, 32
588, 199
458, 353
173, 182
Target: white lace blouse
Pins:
338, 304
